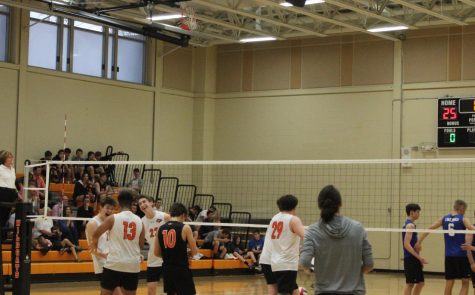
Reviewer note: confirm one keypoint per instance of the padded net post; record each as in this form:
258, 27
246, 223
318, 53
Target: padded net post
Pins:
21, 250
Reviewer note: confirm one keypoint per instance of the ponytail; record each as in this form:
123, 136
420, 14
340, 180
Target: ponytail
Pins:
329, 202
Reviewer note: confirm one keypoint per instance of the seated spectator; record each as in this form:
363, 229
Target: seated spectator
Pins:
216, 241
82, 189
136, 211
256, 244
61, 171
78, 169
67, 154
58, 209
241, 253
85, 211
102, 187
59, 243
203, 230
210, 212
93, 169
68, 227
137, 182
41, 244
194, 212
42, 226
158, 204
39, 181
48, 157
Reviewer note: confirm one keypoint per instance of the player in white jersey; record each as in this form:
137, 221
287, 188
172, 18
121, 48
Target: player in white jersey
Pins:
280, 255
126, 238
99, 257
152, 221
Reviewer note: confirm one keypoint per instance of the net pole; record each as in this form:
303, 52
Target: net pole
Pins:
21, 250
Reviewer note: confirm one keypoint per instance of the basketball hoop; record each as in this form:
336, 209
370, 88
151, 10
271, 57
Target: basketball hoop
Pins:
188, 20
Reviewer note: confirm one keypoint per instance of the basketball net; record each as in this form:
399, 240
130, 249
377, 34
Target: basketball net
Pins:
188, 20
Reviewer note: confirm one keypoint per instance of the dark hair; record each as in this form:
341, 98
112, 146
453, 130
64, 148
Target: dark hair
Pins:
90, 153
48, 153
136, 170
67, 150
78, 150
126, 198
197, 208
256, 232
235, 239
148, 198
287, 203
177, 210
412, 207
60, 151
65, 208
108, 201
459, 204
226, 232
102, 174
329, 202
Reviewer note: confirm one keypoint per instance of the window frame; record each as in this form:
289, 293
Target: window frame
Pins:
8, 32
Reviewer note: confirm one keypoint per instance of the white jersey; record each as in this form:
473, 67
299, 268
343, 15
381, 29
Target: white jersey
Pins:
102, 246
124, 248
151, 227
281, 246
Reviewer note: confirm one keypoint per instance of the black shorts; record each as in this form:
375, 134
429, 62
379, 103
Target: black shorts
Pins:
286, 281
154, 274
457, 268
112, 279
413, 270
178, 280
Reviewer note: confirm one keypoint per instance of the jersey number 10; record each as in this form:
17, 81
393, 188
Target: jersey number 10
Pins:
169, 238
277, 228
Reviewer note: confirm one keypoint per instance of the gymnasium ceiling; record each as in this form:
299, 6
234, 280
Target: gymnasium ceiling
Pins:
228, 21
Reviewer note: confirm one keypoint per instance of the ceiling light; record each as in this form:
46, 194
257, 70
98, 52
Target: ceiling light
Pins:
165, 17
387, 29
257, 39
308, 2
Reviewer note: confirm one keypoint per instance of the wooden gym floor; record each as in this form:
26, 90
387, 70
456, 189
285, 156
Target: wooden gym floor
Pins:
376, 283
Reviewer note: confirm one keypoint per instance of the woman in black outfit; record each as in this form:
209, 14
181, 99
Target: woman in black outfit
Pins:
8, 192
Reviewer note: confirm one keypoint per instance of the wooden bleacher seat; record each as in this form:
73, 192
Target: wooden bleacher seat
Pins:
58, 188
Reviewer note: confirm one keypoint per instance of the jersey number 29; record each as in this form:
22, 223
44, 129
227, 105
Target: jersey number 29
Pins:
169, 238
277, 228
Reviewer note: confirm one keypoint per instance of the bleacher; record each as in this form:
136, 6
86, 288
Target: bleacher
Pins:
170, 190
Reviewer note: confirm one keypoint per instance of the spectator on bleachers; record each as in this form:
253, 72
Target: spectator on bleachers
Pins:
216, 241
39, 181
42, 226
136, 183
203, 230
102, 187
61, 172
256, 244
81, 190
85, 211
135, 209
241, 253
62, 244
68, 227
194, 212
58, 209
78, 155
48, 157
78, 169
41, 244
158, 204
67, 154
210, 212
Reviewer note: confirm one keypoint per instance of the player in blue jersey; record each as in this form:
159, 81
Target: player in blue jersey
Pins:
413, 262
457, 265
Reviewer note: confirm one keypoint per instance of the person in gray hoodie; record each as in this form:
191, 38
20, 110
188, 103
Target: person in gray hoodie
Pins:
339, 247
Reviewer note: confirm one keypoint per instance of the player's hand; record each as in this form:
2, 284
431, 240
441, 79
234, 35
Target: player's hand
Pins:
467, 247
142, 259
423, 261
418, 247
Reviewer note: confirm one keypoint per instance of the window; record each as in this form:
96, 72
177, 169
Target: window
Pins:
74, 46
4, 19
88, 52
43, 41
130, 57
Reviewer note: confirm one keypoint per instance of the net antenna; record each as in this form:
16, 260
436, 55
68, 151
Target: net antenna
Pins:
188, 21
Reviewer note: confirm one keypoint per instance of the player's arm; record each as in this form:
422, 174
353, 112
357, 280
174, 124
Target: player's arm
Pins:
367, 255
408, 247
157, 250
187, 235
422, 237
308, 250
91, 227
296, 227
142, 238
105, 226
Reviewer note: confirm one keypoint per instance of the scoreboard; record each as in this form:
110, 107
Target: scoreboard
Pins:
456, 117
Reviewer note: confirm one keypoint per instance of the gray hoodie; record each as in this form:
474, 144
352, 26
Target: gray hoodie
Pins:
340, 249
